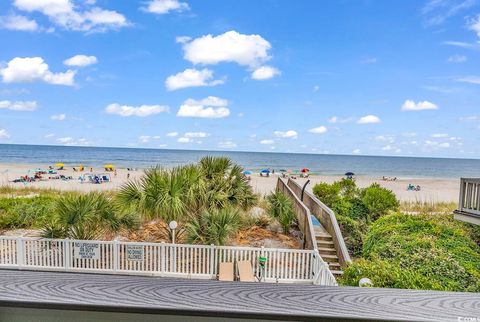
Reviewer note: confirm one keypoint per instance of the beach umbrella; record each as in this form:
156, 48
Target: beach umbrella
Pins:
283, 170
108, 166
246, 172
59, 164
305, 170
265, 171
349, 174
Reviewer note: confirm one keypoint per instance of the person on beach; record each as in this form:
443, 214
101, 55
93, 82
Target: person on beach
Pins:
115, 173
128, 175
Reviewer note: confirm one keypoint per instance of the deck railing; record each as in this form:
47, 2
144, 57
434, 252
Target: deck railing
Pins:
161, 259
469, 196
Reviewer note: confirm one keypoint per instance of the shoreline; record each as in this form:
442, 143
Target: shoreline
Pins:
433, 189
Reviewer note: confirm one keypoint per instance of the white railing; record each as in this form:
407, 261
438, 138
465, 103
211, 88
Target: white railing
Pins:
470, 196
161, 259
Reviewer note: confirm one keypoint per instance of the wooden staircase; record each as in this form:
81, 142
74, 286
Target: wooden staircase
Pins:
327, 250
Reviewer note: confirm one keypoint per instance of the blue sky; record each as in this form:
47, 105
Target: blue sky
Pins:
346, 77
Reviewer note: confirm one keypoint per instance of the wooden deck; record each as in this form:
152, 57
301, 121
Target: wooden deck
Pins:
193, 299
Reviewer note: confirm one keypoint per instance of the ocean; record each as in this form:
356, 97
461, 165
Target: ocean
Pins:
405, 167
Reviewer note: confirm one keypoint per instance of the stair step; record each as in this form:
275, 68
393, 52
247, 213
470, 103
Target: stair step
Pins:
325, 243
329, 257
336, 272
327, 251
334, 264
323, 237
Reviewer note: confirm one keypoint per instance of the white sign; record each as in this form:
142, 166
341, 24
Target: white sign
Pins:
134, 253
86, 250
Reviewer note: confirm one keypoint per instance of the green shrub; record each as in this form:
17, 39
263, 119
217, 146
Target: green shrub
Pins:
24, 212
213, 226
352, 232
329, 194
431, 246
386, 274
379, 201
281, 208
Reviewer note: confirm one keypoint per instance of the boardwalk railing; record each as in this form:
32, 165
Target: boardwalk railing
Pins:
302, 213
470, 196
161, 259
327, 218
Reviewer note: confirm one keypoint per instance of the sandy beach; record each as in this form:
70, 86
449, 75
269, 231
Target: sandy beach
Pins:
432, 189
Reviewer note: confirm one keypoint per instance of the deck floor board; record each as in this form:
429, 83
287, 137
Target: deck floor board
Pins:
229, 299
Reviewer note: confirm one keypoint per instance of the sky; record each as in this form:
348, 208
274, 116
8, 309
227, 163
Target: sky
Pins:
338, 77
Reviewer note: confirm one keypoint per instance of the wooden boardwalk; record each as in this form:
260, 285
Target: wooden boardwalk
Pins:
216, 300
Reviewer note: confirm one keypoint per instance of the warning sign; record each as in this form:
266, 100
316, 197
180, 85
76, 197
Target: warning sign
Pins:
134, 252
86, 250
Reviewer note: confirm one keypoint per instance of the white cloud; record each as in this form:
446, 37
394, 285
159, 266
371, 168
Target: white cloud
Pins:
19, 105
80, 61
265, 72
142, 110
316, 88
165, 6
369, 119
172, 134
58, 117
76, 16
4, 134
319, 130
15, 22
457, 59
356, 151
436, 144
436, 12
184, 140
231, 46
182, 39
144, 138
469, 79
475, 25
267, 142
191, 77
48, 136
371, 60
410, 105
388, 147
210, 107
228, 144
333, 119
459, 44
290, 134
196, 134
385, 138
31, 69
439, 135
68, 140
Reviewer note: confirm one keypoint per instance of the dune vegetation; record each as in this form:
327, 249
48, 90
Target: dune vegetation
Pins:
211, 201
403, 245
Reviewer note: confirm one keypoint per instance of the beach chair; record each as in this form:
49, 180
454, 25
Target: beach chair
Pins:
245, 271
225, 271
104, 178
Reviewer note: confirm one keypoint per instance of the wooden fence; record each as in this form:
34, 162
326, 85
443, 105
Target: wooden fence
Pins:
160, 259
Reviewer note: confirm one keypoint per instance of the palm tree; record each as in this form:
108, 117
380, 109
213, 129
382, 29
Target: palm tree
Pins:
86, 216
213, 226
281, 208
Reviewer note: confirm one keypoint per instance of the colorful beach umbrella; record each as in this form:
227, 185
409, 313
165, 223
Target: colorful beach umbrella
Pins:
246, 172
305, 170
109, 166
265, 171
59, 164
283, 170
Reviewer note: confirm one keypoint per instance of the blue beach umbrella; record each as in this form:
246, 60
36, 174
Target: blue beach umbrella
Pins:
265, 171
246, 172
